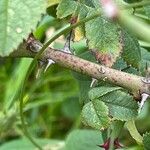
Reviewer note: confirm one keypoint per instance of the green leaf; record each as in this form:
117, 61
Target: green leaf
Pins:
18, 18
145, 60
24, 144
146, 141
95, 114
121, 105
66, 8
132, 1
79, 47
144, 44
84, 140
116, 127
131, 50
91, 3
45, 23
145, 55
103, 37
134, 132
147, 10
83, 10
134, 148
84, 87
52, 2
97, 92
88, 3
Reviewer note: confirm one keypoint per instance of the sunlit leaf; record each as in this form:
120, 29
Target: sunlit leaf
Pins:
95, 114
104, 38
66, 8
91, 3
52, 2
18, 18
121, 105
97, 92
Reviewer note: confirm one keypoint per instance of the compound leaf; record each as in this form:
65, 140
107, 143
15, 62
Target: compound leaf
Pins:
121, 105
97, 92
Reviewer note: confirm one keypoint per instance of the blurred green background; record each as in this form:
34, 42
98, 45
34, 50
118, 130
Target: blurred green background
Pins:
52, 102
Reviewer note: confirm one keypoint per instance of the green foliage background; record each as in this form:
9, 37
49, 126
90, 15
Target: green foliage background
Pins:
53, 103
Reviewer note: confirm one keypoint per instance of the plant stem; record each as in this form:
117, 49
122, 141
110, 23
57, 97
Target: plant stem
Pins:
67, 29
138, 27
134, 132
135, 25
26, 133
32, 66
129, 81
116, 128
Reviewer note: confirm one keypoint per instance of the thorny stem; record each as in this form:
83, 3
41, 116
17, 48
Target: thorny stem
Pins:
67, 29
129, 81
32, 66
